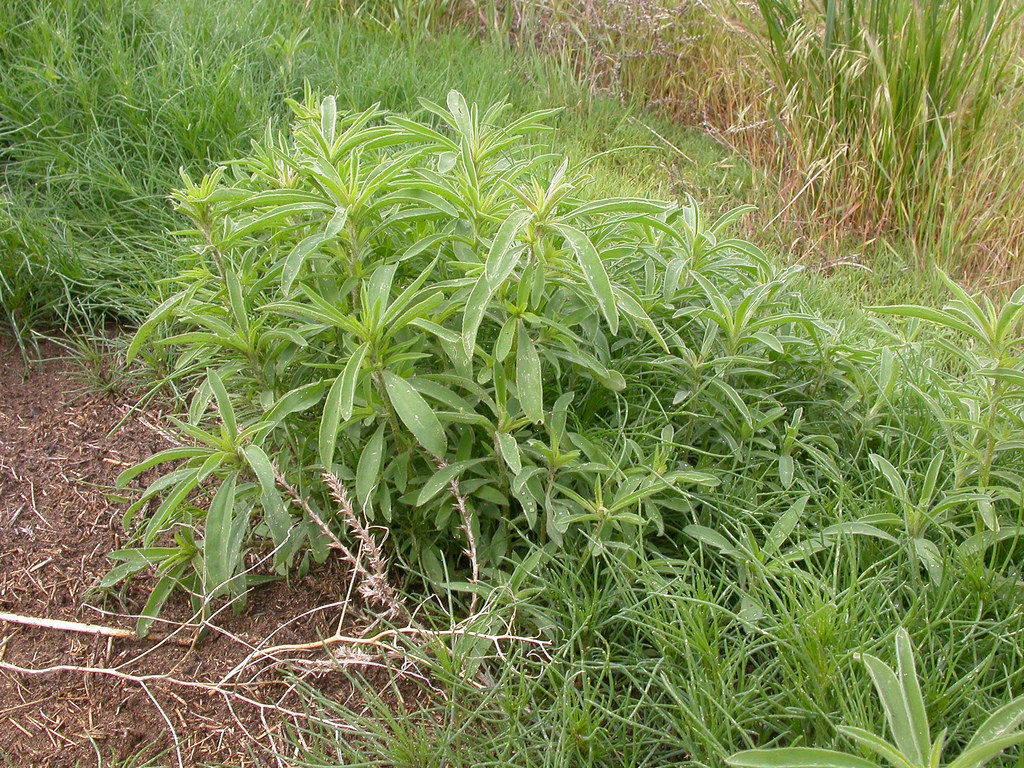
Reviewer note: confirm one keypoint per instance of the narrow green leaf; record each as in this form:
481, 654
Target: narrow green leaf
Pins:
460, 113
509, 448
929, 555
296, 258
878, 745
350, 380
634, 309
237, 302
298, 400
892, 476
328, 119
163, 589
154, 319
504, 343
414, 412
167, 455
891, 694
219, 562
473, 315
272, 218
224, 408
936, 316
594, 273
710, 537
785, 524
262, 467
368, 468
502, 257
336, 223
339, 405
158, 522
632, 205
787, 470
979, 542
931, 479
906, 671
985, 751
442, 478
528, 377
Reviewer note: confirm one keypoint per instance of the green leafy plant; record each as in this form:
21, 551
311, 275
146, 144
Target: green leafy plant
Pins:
912, 745
428, 311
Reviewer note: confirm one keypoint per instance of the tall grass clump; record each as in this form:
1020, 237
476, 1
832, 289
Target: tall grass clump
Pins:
896, 116
101, 103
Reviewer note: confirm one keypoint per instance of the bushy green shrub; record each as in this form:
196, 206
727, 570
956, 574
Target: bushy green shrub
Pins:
428, 313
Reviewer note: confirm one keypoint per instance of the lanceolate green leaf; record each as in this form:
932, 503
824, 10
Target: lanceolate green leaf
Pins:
219, 561
890, 691
999, 723
473, 315
982, 753
936, 316
229, 426
634, 309
328, 119
339, 405
912, 698
157, 316
163, 589
528, 377
878, 745
510, 451
442, 479
593, 271
502, 257
293, 263
414, 412
368, 469
165, 456
261, 466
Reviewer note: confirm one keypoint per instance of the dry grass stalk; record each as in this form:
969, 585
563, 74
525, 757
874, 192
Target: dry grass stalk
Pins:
374, 586
467, 528
87, 629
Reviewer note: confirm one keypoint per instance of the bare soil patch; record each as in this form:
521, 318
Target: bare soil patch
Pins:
122, 697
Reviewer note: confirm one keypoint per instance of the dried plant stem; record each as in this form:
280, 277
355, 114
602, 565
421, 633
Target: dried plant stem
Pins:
86, 629
378, 640
467, 527
144, 679
374, 586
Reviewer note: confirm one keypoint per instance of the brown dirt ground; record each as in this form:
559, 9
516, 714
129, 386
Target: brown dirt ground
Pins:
58, 521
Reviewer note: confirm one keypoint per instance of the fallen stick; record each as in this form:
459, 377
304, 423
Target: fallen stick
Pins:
87, 629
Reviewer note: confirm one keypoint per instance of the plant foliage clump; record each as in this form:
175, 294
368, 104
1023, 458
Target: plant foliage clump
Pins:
434, 313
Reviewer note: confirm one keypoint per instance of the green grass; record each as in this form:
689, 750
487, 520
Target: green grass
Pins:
895, 110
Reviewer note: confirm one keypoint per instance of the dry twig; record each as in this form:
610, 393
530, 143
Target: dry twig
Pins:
86, 629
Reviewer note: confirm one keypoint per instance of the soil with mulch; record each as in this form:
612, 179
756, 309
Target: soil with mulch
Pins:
70, 698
